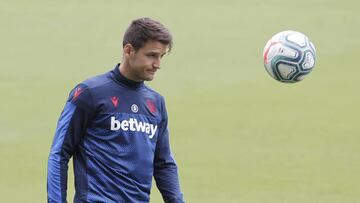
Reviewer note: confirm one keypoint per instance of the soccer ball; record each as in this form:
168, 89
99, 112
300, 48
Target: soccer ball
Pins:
289, 56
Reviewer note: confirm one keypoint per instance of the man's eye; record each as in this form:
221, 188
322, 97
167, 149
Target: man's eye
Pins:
152, 55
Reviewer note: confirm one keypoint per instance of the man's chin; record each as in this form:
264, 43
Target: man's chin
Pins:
149, 78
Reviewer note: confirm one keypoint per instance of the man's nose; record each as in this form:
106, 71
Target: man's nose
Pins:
156, 63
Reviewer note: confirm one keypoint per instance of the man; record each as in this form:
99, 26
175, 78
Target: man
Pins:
115, 127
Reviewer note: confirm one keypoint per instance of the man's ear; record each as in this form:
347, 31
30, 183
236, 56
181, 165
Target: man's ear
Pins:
128, 50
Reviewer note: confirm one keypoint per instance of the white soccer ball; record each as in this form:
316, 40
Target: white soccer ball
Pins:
289, 56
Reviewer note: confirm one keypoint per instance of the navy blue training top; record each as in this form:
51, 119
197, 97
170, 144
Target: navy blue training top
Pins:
116, 131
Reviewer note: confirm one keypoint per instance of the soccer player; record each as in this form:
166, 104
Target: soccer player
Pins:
115, 128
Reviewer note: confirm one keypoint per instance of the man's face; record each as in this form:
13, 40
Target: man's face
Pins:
144, 62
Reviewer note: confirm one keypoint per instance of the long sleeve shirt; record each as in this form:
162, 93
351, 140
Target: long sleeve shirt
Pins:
116, 130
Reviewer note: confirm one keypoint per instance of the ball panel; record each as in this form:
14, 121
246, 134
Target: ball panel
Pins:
270, 51
286, 70
287, 51
301, 76
309, 61
297, 38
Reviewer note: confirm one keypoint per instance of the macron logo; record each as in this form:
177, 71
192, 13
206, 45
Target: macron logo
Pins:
133, 125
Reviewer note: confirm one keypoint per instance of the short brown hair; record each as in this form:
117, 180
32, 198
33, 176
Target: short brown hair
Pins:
143, 30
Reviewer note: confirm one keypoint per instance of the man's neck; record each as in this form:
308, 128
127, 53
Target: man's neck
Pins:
124, 70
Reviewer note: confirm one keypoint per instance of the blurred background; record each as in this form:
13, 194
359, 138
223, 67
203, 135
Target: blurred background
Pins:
237, 134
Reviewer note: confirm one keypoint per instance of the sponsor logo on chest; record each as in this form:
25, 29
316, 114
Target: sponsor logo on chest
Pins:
132, 124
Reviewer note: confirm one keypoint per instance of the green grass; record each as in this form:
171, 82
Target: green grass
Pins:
237, 135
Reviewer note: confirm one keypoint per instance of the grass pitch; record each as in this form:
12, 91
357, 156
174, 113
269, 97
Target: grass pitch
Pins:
237, 134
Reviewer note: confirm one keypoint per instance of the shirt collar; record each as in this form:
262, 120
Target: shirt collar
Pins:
123, 80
